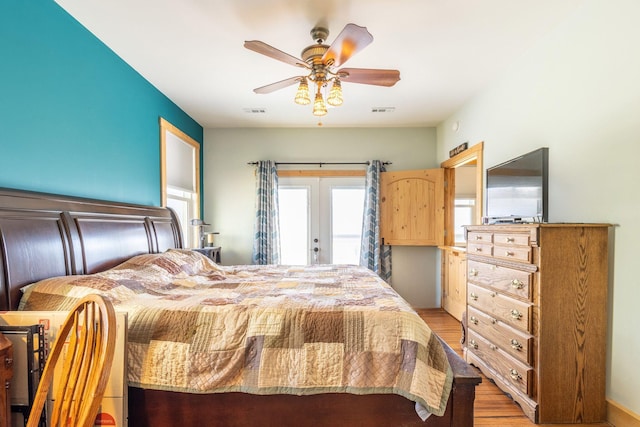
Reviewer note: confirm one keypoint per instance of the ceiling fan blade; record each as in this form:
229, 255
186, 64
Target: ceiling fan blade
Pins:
278, 85
272, 52
369, 76
350, 41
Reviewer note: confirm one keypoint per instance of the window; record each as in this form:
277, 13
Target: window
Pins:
464, 214
180, 178
320, 220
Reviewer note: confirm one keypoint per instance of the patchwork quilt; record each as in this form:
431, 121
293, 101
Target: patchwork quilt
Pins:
198, 327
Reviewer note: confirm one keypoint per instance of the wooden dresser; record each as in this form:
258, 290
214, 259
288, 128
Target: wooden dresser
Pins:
536, 316
6, 373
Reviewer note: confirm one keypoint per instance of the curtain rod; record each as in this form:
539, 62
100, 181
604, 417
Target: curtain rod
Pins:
320, 164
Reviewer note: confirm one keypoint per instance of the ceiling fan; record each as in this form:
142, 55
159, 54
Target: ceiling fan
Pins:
320, 62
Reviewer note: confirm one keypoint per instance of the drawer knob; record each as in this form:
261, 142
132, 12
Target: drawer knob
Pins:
517, 284
516, 345
493, 321
478, 249
493, 347
473, 296
473, 344
516, 314
473, 272
515, 375
494, 294
508, 253
474, 320
478, 237
510, 239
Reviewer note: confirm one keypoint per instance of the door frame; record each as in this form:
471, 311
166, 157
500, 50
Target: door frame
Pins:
470, 155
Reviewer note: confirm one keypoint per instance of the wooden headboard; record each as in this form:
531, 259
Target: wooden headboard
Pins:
46, 235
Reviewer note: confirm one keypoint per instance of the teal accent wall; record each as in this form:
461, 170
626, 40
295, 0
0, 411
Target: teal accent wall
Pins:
75, 119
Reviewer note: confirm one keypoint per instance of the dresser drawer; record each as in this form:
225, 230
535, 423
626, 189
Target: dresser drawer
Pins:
516, 253
479, 249
509, 310
503, 279
516, 343
479, 237
517, 239
511, 370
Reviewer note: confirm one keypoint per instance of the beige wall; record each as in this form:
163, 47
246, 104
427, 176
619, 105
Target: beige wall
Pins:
578, 93
229, 186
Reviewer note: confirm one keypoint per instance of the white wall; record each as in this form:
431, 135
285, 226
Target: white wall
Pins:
229, 186
578, 93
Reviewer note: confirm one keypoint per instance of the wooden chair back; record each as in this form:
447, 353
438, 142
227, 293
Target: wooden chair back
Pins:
90, 334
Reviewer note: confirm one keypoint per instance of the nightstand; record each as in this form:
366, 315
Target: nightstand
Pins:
213, 252
6, 372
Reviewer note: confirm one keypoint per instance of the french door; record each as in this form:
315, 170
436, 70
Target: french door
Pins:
320, 219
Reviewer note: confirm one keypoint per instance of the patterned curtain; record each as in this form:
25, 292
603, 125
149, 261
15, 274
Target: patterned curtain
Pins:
266, 239
373, 255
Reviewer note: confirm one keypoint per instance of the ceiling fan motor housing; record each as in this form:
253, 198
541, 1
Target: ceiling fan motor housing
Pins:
312, 55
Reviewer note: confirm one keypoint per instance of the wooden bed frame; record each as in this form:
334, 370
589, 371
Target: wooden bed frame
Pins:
45, 235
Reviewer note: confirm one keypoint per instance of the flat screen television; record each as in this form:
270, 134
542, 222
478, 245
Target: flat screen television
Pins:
517, 190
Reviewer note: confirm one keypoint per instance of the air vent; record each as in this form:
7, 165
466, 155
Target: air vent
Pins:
255, 110
383, 109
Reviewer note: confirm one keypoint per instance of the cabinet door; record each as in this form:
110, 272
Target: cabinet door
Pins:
454, 283
412, 212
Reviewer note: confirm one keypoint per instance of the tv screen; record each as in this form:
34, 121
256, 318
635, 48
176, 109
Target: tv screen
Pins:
517, 189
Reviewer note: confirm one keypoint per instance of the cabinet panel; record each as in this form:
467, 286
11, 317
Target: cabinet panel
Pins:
412, 207
454, 282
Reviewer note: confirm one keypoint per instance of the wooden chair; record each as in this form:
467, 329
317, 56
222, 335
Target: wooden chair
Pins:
85, 368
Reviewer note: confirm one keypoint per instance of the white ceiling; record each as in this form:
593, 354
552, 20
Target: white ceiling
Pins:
192, 51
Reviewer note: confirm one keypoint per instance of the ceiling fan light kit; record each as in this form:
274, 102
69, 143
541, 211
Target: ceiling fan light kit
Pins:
302, 95
319, 107
335, 94
319, 60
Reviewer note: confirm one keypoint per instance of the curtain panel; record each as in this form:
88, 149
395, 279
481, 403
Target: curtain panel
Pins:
266, 240
373, 255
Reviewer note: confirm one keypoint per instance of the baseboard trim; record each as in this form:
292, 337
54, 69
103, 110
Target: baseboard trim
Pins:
619, 416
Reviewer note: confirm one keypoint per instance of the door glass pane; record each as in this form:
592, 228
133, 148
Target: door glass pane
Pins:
346, 224
294, 225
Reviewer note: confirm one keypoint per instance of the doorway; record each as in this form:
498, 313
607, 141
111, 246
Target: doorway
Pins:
320, 219
464, 184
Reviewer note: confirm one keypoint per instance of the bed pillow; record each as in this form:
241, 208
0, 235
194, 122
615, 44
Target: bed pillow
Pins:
174, 261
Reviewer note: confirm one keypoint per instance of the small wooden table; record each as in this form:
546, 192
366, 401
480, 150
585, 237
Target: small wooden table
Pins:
6, 373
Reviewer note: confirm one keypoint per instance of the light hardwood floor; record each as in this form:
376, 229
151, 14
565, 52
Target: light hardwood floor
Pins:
492, 407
